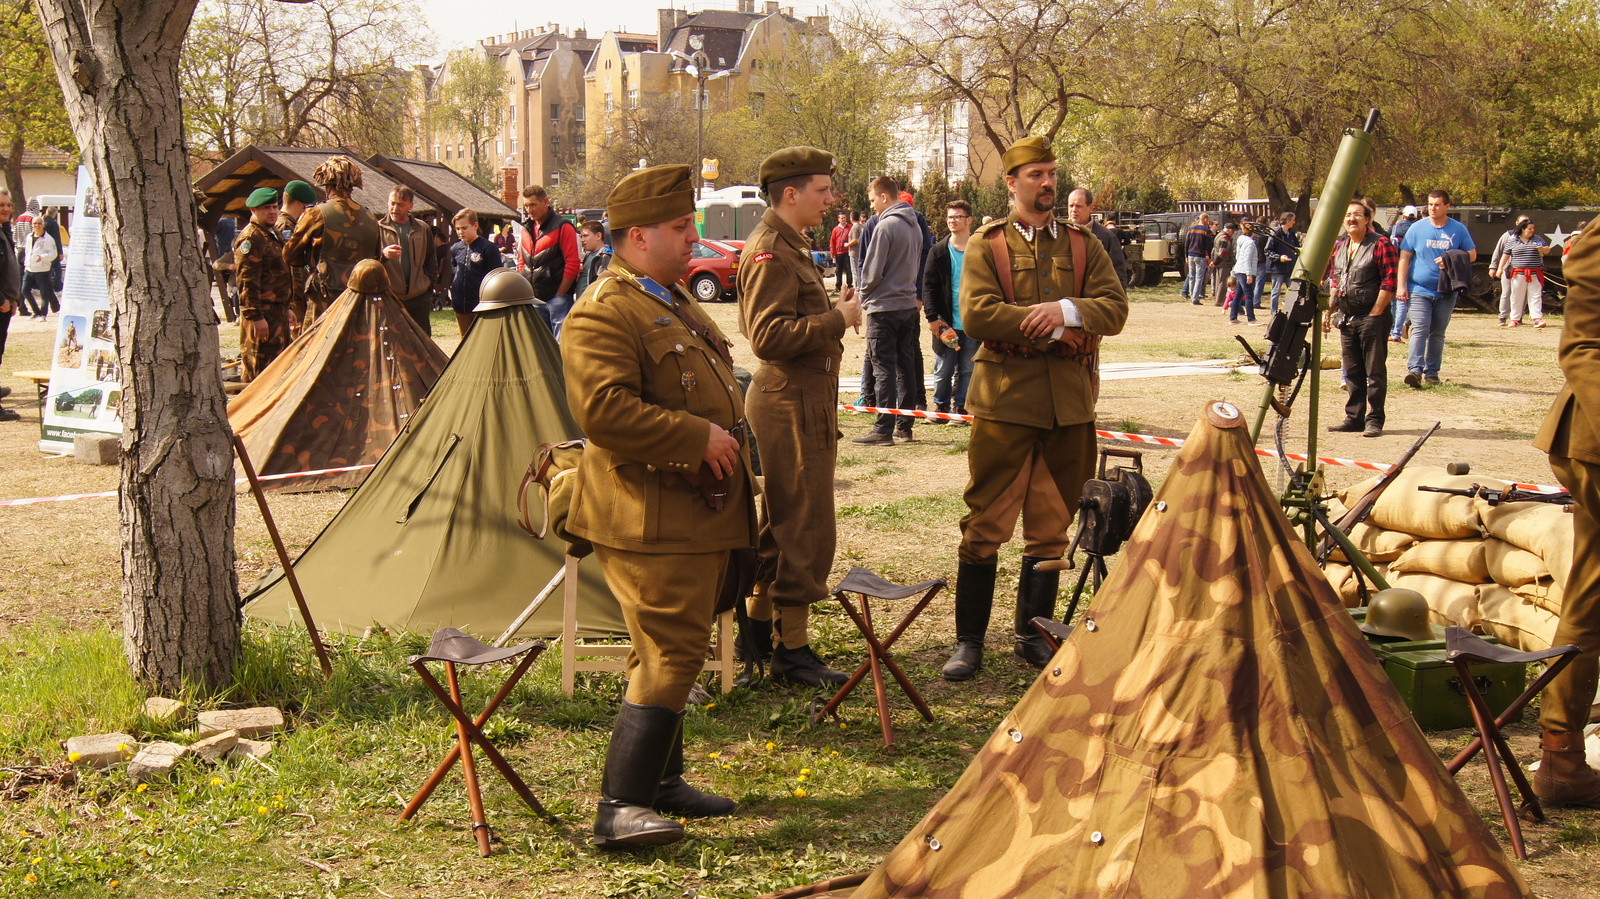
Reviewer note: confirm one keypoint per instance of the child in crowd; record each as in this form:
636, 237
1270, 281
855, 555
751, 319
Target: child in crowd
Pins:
474, 256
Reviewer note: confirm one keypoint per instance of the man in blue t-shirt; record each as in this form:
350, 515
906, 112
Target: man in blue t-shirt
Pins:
1422, 261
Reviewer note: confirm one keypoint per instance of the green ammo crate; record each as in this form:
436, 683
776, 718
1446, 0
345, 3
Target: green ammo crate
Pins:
1432, 689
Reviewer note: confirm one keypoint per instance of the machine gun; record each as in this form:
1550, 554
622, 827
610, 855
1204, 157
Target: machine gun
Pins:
1511, 495
1109, 508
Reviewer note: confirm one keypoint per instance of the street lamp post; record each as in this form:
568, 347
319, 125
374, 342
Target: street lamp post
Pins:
696, 67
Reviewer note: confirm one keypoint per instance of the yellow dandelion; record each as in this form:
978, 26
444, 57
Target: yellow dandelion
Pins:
799, 794
32, 878
843, 726
262, 810
805, 770
714, 756
771, 746
280, 805
216, 781
727, 767
278, 796
800, 779
141, 788
710, 705
833, 753
36, 860
114, 884
74, 756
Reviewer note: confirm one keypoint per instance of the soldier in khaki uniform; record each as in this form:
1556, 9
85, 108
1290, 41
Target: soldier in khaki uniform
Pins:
1571, 435
266, 287
334, 235
664, 491
797, 334
297, 195
1033, 393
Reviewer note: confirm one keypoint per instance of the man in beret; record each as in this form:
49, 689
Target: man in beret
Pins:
297, 195
1039, 292
797, 333
664, 491
266, 287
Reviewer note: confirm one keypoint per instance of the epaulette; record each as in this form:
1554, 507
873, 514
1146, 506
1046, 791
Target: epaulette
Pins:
985, 228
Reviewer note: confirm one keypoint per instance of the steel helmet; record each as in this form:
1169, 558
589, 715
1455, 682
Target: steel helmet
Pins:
1398, 612
504, 287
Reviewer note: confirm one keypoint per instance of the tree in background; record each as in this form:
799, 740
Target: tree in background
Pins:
32, 115
471, 102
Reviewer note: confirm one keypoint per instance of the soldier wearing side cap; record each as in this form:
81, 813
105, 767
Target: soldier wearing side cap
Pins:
266, 287
797, 334
334, 235
1033, 391
297, 195
664, 491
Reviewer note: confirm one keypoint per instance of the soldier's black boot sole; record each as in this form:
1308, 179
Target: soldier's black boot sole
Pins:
1036, 598
675, 796
636, 762
974, 602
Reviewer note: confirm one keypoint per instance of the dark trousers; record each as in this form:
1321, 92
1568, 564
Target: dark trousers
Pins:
46, 300
842, 273
1364, 342
892, 345
5, 328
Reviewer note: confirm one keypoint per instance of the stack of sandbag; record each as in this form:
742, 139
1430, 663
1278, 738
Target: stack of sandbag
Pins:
1497, 570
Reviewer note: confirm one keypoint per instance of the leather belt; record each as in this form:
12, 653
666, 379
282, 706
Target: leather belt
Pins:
814, 363
1058, 350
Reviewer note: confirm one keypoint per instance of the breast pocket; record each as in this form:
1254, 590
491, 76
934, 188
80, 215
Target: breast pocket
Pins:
682, 375
1061, 273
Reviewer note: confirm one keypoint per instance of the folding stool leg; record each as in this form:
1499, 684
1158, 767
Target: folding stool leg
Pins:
469, 771
1491, 751
1512, 710
880, 651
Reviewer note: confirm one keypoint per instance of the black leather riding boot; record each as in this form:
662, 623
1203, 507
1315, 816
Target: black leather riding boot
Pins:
1036, 598
676, 797
974, 600
641, 743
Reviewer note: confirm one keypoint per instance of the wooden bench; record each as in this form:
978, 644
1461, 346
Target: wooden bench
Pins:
41, 381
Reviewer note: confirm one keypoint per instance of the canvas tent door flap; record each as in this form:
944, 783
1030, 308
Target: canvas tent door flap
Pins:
430, 539
338, 395
1215, 726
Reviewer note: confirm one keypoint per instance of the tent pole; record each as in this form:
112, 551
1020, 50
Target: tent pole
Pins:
549, 589
283, 556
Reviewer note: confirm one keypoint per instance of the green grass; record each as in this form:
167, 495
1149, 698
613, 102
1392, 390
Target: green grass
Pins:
912, 510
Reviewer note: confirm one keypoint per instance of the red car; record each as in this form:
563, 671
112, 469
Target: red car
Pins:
713, 269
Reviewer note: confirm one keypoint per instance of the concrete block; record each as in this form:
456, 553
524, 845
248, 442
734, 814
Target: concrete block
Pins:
155, 760
215, 746
101, 750
256, 749
161, 710
250, 723
97, 449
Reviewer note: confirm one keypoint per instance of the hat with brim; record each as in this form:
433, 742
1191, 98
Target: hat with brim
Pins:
504, 288
1025, 152
792, 162
261, 196
647, 196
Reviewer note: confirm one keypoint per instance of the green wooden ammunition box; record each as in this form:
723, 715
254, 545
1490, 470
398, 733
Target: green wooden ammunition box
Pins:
1432, 689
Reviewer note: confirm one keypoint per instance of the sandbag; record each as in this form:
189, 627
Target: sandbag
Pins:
1436, 516
1449, 602
1377, 544
1458, 560
1510, 565
1515, 620
1539, 528
1544, 593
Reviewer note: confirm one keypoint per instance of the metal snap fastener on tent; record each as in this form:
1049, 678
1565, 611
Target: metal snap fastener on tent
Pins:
1016, 735
1097, 838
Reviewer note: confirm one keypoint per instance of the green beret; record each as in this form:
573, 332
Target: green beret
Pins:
659, 193
1025, 151
261, 196
299, 190
791, 162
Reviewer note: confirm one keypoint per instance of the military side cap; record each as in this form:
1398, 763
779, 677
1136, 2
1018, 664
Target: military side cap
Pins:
261, 196
656, 194
504, 287
299, 190
369, 277
792, 162
1026, 151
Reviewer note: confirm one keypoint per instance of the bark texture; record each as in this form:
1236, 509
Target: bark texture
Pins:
117, 61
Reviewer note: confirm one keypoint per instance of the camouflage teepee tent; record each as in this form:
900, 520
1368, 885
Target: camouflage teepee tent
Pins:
338, 394
1215, 726
430, 539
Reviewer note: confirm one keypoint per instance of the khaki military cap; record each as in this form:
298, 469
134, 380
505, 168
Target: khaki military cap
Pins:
369, 277
1025, 151
656, 194
791, 162
261, 196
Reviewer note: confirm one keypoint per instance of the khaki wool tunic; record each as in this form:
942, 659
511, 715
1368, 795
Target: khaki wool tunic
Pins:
794, 330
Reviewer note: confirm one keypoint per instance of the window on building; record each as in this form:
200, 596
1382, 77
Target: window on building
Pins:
512, 115
578, 112
555, 113
555, 179
461, 151
513, 145
700, 99
633, 98
555, 145
582, 145
436, 152
498, 145
758, 100
447, 153
610, 104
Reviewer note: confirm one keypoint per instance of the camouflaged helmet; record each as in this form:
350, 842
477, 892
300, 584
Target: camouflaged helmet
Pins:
369, 277
1398, 612
504, 287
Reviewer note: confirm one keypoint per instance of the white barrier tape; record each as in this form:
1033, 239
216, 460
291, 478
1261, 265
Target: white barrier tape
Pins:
1174, 443
35, 500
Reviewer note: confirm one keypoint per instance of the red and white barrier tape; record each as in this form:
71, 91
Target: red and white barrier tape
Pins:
1170, 442
35, 500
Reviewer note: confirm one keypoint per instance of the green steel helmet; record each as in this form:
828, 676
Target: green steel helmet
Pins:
504, 287
1398, 612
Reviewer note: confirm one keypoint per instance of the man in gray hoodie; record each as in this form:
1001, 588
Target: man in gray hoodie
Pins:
888, 287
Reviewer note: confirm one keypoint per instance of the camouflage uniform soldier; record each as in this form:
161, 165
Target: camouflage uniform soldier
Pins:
1033, 393
796, 333
1571, 435
333, 236
664, 491
266, 287
297, 195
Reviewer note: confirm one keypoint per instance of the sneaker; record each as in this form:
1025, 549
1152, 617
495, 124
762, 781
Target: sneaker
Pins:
1195, 302
1372, 431
9, 415
1396, 340
1504, 323
1414, 379
1538, 323
904, 436
802, 666
1433, 382
873, 438
1514, 324
1348, 426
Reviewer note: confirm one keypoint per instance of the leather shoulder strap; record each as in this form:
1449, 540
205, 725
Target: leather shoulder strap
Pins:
1002, 263
1080, 259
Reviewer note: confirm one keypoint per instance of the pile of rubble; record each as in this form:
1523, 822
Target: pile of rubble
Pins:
219, 734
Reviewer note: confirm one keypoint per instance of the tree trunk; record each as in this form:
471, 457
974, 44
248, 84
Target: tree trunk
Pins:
13, 164
117, 61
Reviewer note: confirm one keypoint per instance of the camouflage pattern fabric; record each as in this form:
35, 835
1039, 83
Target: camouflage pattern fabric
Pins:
265, 290
1215, 726
331, 238
299, 274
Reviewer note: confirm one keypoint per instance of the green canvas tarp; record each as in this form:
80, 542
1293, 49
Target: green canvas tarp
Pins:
430, 539
1215, 726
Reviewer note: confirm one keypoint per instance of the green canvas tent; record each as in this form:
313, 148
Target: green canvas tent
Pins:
1215, 726
430, 539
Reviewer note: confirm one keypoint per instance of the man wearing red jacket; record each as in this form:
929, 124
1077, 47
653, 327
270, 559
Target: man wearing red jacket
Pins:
548, 256
839, 246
